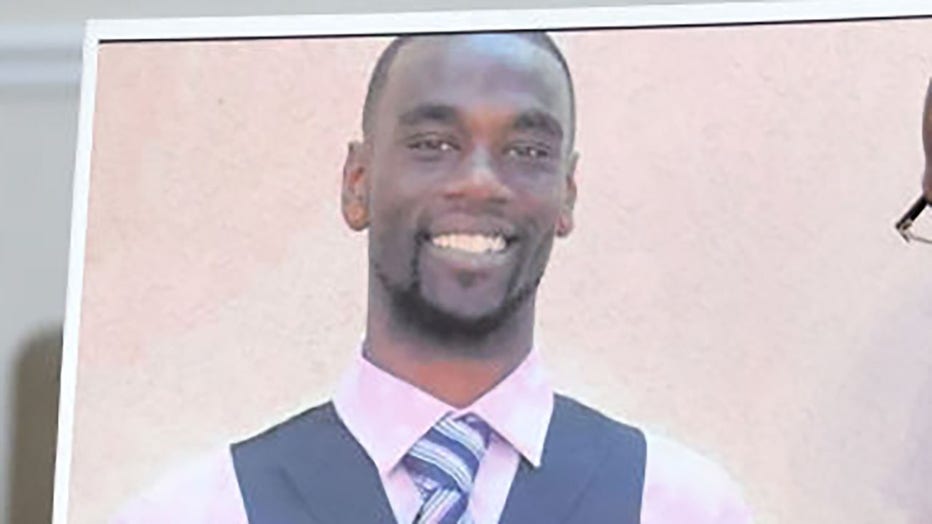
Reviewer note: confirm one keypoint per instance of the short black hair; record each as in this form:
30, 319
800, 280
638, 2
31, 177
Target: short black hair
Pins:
380, 73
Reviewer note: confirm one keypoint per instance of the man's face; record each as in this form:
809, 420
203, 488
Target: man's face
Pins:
468, 174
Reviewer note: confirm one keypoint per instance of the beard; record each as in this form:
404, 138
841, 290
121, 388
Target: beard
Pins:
413, 309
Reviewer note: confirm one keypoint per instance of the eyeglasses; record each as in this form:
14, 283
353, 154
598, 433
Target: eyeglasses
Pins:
909, 227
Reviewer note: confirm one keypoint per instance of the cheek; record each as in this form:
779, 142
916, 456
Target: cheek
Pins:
541, 230
390, 202
545, 211
393, 227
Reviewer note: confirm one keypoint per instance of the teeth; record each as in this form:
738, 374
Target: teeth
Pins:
470, 243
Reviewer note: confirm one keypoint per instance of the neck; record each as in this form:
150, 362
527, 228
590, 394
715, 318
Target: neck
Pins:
455, 371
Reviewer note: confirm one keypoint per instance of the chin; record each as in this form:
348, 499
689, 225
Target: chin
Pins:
459, 323
469, 308
448, 318
456, 323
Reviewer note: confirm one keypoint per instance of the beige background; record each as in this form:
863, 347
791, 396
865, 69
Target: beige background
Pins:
734, 279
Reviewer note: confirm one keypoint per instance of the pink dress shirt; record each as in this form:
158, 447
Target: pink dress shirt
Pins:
680, 486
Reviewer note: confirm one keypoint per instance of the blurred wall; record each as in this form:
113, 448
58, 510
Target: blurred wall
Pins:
39, 71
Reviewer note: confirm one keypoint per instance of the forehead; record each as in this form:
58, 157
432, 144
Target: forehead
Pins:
499, 71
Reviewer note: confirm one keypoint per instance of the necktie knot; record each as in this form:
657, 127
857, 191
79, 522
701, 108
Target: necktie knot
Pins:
443, 465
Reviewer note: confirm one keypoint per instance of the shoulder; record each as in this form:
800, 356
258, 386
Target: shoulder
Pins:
277, 441
207, 489
682, 485
200, 491
579, 417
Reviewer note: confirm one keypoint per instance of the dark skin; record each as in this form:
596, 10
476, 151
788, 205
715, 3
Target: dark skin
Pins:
463, 181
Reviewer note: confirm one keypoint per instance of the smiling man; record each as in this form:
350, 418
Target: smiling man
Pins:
463, 179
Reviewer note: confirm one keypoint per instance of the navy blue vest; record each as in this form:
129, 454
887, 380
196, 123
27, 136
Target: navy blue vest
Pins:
310, 469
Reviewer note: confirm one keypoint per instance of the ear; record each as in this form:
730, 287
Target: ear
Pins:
355, 194
565, 220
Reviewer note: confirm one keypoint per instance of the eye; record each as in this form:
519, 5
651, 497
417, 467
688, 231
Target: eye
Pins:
527, 151
432, 145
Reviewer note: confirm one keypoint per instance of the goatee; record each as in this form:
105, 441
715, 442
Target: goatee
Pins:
413, 309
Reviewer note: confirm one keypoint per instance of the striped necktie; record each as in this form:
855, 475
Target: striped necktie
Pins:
443, 465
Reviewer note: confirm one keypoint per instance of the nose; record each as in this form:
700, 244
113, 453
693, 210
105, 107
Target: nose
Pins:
478, 179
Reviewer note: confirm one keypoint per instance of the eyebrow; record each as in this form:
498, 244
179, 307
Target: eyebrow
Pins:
541, 121
436, 113
533, 120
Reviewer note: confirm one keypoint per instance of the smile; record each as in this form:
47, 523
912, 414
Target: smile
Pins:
470, 242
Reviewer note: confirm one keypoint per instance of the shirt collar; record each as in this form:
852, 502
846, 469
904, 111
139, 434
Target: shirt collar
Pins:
368, 401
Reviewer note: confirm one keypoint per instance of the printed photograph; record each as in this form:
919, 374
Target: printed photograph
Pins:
636, 275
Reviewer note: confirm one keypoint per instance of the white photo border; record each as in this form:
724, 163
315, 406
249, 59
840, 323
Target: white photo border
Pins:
101, 32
